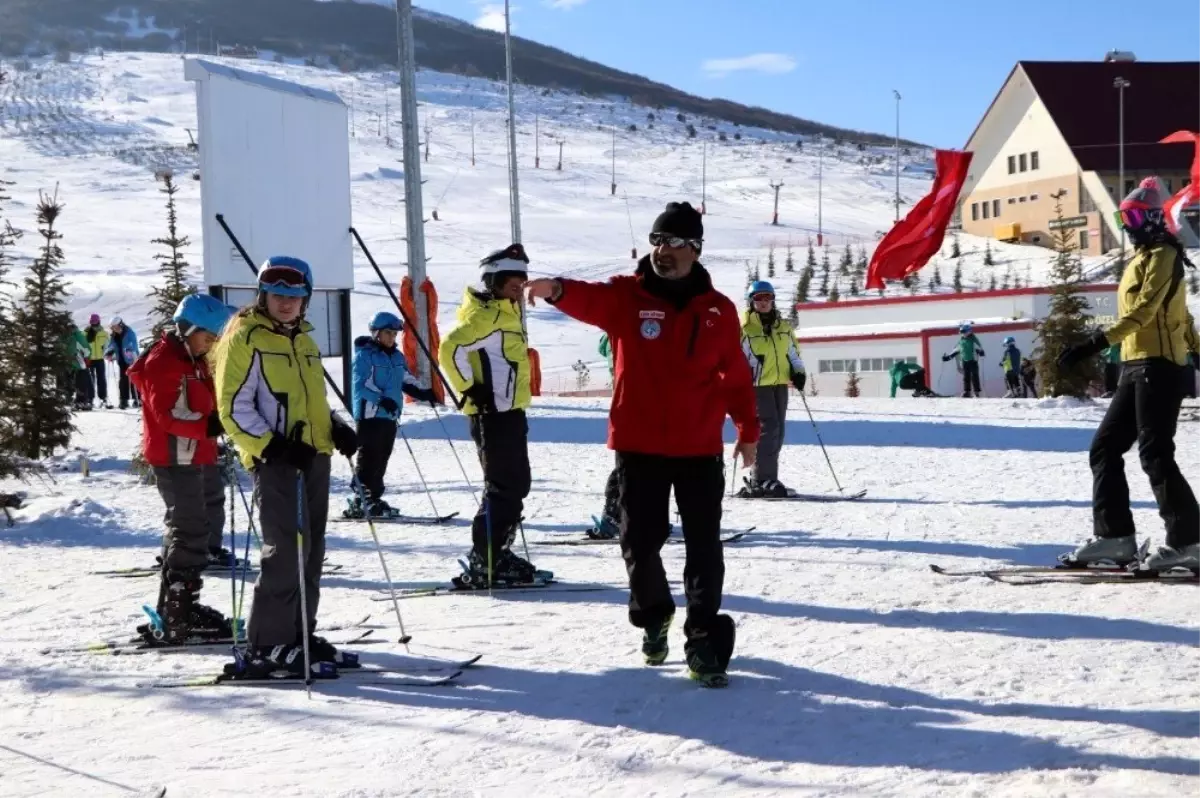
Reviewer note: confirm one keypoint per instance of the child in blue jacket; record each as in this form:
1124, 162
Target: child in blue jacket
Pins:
122, 349
381, 379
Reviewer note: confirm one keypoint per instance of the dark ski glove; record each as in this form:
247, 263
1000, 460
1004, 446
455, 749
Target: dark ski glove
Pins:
345, 439
215, 430
422, 395
300, 455
1074, 355
1194, 359
798, 380
388, 405
947, 358
481, 397
275, 451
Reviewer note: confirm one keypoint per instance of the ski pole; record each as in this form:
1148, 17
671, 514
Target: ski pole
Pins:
454, 449
420, 476
733, 476
821, 442
362, 497
227, 470
300, 574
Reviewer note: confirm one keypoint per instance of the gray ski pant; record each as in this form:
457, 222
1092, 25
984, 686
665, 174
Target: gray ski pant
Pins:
195, 516
772, 412
275, 612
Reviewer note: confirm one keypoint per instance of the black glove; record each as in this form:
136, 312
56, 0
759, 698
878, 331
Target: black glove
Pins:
345, 439
481, 397
1194, 359
946, 358
388, 405
423, 395
1071, 356
276, 450
300, 455
215, 430
798, 380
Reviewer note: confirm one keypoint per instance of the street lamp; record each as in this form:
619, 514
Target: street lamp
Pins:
1120, 84
897, 153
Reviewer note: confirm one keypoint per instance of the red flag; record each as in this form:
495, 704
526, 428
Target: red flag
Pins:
1189, 194
914, 239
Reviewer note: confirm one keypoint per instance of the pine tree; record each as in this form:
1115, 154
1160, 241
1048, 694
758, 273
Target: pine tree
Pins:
771, 261
931, 286
913, 284
852, 381
992, 282
854, 285
803, 285
789, 263
1067, 323
937, 275
955, 249
173, 267
847, 261
41, 325
834, 294
860, 267
811, 261
825, 265
987, 254
824, 289
10, 438
793, 311
958, 284
1007, 284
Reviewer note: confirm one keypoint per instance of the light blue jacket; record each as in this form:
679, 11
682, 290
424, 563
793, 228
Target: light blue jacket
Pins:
126, 348
379, 372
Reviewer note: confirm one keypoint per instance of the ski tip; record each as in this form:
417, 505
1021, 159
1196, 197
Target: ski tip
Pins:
405, 640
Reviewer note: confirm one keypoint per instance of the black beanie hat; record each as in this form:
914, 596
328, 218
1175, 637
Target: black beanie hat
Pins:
680, 219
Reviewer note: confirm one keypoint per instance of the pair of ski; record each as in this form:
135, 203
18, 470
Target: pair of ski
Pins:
422, 673
588, 540
419, 520
1065, 574
793, 496
455, 587
212, 570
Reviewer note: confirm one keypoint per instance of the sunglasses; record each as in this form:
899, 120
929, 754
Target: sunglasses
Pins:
674, 242
282, 276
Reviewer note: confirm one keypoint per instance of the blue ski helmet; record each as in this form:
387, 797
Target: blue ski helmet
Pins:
759, 287
965, 328
285, 276
201, 312
1009, 340
385, 321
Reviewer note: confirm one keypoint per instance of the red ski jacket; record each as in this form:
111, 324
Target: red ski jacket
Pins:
177, 398
678, 364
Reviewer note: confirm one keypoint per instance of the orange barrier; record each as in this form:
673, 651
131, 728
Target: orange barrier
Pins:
535, 373
410, 339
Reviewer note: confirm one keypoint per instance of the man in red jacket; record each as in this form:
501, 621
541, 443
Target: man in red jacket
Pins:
180, 426
678, 368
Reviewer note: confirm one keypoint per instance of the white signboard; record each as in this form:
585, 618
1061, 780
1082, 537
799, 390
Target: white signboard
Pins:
275, 164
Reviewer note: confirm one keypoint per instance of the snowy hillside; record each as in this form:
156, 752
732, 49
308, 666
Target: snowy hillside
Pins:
858, 671
98, 128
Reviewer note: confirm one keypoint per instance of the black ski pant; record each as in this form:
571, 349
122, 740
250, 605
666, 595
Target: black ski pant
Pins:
125, 390
1144, 410
1112, 376
612, 495
376, 437
279, 489
98, 372
195, 516
502, 441
1028, 379
1012, 381
970, 370
772, 412
84, 390
645, 498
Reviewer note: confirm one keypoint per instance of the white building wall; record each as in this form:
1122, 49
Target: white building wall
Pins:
965, 308
871, 383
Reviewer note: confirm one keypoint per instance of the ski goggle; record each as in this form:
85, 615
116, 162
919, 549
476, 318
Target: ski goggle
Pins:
282, 277
763, 298
1131, 218
674, 242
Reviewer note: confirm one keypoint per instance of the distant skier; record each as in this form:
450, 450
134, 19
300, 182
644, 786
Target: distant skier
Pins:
486, 359
97, 340
1156, 332
1112, 370
679, 372
180, 426
122, 349
909, 377
1010, 362
609, 525
271, 395
79, 349
769, 344
1029, 377
381, 380
968, 351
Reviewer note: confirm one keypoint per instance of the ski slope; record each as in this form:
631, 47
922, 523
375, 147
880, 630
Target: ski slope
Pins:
98, 128
857, 671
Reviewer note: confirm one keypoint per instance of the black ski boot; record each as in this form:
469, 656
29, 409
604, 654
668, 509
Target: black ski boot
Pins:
751, 489
654, 641
321, 650
175, 611
380, 509
709, 650
221, 558
606, 528
277, 662
508, 570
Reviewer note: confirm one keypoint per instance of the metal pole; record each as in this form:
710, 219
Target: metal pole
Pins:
514, 197
614, 158
414, 215
704, 178
775, 215
472, 137
537, 141
820, 188
1121, 84
897, 153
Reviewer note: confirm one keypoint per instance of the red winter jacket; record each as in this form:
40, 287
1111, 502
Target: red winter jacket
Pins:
676, 371
177, 398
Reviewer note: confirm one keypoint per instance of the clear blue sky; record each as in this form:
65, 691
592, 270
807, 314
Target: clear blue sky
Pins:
837, 61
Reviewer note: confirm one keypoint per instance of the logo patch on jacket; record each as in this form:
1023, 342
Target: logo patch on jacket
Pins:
651, 329
651, 314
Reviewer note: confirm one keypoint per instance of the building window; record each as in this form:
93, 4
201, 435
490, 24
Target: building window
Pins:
1012, 164
880, 364
1033, 161
1021, 160
1167, 184
987, 209
1033, 197
1012, 200
1083, 240
974, 211
1021, 199
996, 208
1129, 184
836, 366
1112, 192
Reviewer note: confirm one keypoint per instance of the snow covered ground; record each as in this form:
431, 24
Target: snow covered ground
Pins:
857, 672
98, 128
